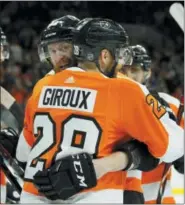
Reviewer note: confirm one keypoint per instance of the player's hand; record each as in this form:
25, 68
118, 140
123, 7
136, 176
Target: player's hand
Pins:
9, 139
179, 165
139, 156
66, 177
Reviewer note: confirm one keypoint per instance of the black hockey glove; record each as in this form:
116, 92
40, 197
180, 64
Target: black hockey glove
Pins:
139, 156
66, 177
9, 139
179, 165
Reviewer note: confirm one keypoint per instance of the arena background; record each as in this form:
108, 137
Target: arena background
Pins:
147, 23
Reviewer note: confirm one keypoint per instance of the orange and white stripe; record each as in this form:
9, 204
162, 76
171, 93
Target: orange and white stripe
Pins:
2, 187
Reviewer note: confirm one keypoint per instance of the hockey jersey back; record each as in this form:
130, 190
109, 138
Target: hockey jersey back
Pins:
76, 111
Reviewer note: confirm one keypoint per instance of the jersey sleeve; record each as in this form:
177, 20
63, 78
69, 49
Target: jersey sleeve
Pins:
174, 105
147, 121
26, 139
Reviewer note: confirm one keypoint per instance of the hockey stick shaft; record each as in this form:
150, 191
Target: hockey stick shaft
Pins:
11, 177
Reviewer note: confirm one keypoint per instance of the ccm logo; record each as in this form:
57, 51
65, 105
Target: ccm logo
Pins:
79, 171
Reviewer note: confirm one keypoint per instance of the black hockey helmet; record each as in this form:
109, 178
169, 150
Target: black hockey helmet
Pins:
91, 36
59, 29
141, 57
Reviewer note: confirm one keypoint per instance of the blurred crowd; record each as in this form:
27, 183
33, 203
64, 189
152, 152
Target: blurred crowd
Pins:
148, 23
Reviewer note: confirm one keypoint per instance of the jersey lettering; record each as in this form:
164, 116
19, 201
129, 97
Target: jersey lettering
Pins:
67, 98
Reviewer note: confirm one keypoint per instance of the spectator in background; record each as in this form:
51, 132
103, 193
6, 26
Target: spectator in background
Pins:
16, 51
23, 22
26, 37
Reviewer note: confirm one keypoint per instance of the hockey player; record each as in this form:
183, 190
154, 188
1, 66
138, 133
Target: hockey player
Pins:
53, 24
57, 32
140, 71
55, 45
61, 27
71, 103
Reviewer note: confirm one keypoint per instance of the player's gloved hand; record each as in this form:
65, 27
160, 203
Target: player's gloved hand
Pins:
179, 165
66, 177
9, 139
139, 156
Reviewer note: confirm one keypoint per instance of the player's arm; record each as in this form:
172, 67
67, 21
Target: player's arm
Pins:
175, 106
149, 122
129, 156
26, 140
79, 172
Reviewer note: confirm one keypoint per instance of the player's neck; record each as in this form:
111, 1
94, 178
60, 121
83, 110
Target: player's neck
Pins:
88, 66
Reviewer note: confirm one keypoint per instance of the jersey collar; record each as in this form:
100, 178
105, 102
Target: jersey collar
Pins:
75, 69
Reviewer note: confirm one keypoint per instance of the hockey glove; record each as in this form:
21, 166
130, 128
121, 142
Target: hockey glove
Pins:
66, 177
139, 156
9, 139
179, 165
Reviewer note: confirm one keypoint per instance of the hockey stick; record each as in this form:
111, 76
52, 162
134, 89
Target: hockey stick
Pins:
11, 168
11, 177
177, 12
9, 102
11, 161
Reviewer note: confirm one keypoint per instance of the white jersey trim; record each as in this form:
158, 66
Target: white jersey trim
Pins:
170, 99
23, 149
3, 194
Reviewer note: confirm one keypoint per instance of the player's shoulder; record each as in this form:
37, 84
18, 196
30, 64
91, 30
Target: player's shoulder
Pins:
40, 83
51, 72
169, 99
127, 83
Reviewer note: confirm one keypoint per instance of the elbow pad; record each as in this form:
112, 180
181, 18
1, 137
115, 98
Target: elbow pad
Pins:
138, 156
179, 165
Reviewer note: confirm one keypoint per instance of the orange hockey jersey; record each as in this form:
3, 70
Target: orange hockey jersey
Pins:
75, 111
151, 180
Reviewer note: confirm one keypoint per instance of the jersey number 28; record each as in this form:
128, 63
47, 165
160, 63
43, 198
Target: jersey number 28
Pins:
78, 134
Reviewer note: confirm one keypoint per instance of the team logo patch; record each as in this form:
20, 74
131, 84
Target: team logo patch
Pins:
105, 24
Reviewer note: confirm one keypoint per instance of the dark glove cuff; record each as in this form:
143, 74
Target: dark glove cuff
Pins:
139, 156
133, 159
